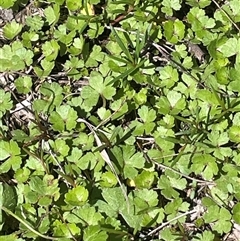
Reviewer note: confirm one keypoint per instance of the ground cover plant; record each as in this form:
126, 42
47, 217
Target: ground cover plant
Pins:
120, 120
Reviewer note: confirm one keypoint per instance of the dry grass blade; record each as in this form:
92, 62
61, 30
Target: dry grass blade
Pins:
106, 158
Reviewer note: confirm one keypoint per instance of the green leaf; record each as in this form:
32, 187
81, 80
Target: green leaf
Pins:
77, 196
50, 50
44, 186
65, 230
149, 197
74, 5
174, 30
145, 179
169, 76
230, 47
11, 30
64, 116
206, 165
221, 217
9, 196
169, 6
34, 22
52, 97
200, 3
236, 213
11, 151
75, 156
20, 136
217, 139
50, 15
87, 216
235, 7
23, 84
114, 198
22, 175
234, 133
95, 30
147, 115
103, 113
122, 46
57, 121
90, 97
205, 236
167, 190
199, 20
7, 4
108, 179
10, 237
5, 101
60, 147
94, 233
177, 101
79, 43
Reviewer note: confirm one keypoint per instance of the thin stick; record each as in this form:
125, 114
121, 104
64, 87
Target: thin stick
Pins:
183, 175
170, 221
227, 15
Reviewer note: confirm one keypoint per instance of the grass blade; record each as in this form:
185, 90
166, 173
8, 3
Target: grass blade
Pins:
122, 46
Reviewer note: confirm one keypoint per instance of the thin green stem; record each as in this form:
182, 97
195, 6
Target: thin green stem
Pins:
6, 210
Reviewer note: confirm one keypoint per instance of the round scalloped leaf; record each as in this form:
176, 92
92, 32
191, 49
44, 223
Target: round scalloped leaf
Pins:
77, 196
145, 179
23, 84
108, 179
234, 134
11, 30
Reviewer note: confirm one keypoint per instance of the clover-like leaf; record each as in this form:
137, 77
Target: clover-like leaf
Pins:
34, 22
92, 233
205, 164
76, 196
64, 116
60, 147
44, 186
200, 3
23, 84
5, 102
67, 231
90, 97
147, 115
85, 216
50, 14
220, 216
97, 83
50, 50
169, 6
174, 30
10, 155
11, 30
167, 190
